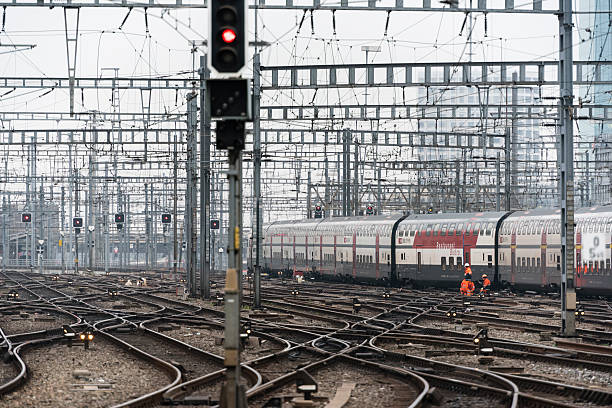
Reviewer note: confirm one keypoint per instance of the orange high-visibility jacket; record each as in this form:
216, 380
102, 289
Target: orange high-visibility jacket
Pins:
467, 287
468, 271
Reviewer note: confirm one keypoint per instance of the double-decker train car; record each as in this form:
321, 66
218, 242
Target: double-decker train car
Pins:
519, 248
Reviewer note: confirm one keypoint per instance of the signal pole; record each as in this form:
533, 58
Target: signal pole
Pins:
566, 140
229, 103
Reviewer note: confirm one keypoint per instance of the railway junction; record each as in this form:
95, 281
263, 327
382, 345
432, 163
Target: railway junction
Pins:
306, 203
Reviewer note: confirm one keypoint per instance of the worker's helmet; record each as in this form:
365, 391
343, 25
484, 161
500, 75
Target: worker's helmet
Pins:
467, 264
484, 275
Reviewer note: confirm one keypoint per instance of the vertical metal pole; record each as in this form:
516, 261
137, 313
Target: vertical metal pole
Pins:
147, 226
308, 198
153, 228
588, 180
90, 216
507, 155
514, 142
379, 192
257, 176
4, 246
326, 206
566, 139
77, 213
457, 186
127, 237
464, 206
204, 183
340, 185
233, 395
174, 210
33, 206
356, 181
191, 192
105, 219
63, 228
497, 183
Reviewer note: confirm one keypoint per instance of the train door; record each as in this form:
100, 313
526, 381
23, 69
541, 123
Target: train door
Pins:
321, 253
419, 262
377, 256
335, 256
513, 255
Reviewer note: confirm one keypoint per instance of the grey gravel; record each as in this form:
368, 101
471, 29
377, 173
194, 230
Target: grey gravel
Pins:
52, 384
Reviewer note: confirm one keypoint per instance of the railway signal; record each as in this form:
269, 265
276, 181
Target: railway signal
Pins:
214, 224
119, 220
77, 224
166, 218
26, 217
318, 212
228, 35
370, 209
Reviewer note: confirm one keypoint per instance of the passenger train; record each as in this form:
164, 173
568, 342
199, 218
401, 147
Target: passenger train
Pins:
520, 249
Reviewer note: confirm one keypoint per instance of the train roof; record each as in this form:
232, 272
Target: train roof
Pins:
392, 218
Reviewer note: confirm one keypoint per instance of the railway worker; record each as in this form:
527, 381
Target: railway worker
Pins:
467, 286
486, 285
468, 270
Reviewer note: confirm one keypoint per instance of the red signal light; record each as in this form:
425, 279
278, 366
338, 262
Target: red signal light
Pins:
228, 36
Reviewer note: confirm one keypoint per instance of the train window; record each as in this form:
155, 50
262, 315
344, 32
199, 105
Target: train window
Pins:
451, 262
489, 229
459, 263
533, 262
443, 230
420, 229
477, 229
528, 262
436, 229
490, 261
601, 268
608, 266
443, 263
459, 229
609, 225
451, 229
428, 231
412, 233
538, 262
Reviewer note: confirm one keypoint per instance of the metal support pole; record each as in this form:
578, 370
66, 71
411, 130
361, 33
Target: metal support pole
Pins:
106, 220
233, 394
378, 193
174, 210
204, 183
147, 226
257, 179
566, 140
4, 246
588, 180
356, 181
507, 155
457, 186
63, 228
514, 142
308, 198
498, 183
191, 192
90, 216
